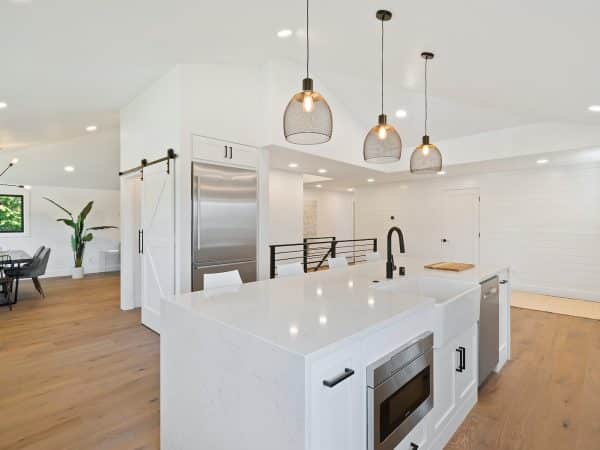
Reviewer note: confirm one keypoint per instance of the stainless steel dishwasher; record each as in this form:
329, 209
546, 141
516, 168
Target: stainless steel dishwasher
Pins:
489, 336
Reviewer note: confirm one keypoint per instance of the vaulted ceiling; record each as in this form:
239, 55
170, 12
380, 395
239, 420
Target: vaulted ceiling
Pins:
67, 64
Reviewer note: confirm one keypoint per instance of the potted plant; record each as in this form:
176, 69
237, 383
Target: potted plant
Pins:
81, 235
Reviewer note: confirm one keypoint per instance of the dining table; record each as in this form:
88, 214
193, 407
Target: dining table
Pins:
18, 258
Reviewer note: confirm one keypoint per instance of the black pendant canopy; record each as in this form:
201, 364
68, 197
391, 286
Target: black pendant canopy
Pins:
426, 158
307, 119
382, 143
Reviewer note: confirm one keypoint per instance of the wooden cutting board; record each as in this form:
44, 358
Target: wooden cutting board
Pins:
452, 266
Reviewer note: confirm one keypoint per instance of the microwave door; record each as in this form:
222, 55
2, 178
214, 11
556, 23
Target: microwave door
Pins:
224, 212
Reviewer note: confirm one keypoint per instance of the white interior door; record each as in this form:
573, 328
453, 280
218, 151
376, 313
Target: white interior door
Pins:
158, 255
460, 227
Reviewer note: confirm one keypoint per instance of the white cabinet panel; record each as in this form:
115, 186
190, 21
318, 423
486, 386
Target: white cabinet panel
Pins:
445, 363
466, 377
334, 412
223, 152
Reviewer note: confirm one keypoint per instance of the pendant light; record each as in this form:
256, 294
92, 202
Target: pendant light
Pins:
382, 143
426, 158
307, 119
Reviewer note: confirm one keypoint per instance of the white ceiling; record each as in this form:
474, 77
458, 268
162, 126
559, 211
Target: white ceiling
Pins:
343, 176
70, 63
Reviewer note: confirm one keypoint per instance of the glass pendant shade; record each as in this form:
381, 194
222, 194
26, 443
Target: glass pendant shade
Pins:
426, 158
307, 119
382, 143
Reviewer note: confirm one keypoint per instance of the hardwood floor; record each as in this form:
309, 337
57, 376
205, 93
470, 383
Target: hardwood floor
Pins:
548, 396
77, 373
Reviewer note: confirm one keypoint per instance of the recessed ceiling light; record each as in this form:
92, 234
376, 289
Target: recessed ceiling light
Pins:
350, 189
293, 165
69, 169
3, 105
322, 170
594, 108
542, 161
323, 319
319, 186
14, 160
285, 33
442, 172
27, 187
294, 330
401, 114
370, 180
91, 128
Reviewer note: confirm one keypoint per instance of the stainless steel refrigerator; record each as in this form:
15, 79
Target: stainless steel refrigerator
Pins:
224, 215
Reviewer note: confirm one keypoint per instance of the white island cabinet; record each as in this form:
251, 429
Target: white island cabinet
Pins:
282, 364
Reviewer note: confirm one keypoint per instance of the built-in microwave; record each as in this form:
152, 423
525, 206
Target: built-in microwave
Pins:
400, 392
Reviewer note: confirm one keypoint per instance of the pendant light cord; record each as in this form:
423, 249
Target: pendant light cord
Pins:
426, 106
307, 45
382, 66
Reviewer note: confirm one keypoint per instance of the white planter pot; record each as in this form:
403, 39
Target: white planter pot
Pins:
77, 273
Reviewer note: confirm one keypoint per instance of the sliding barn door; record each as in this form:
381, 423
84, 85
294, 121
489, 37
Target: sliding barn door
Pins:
157, 242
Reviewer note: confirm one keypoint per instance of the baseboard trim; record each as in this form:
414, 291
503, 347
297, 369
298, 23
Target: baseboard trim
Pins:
575, 294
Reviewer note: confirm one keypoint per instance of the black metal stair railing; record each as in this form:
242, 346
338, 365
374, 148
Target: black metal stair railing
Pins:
313, 252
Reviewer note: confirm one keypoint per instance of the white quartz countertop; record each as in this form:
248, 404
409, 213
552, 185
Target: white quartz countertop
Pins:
304, 314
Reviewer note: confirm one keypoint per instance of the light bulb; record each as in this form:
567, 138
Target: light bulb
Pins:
308, 103
426, 150
382, 132
14, 160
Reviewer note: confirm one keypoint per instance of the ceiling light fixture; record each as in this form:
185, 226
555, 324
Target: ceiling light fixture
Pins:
350, 189
91, 128
426, 158
293, 165
307, 119
382, 143
594, 108
69, 169
542, 161
285, 33
370, 180
319, 186
322, 170
14, 161
401, 114
3, 105
442, 172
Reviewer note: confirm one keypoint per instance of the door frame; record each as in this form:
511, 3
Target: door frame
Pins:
130, 201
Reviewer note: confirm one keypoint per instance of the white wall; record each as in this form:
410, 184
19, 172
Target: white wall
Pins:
286, 207
544, 223
45, 230
335, 213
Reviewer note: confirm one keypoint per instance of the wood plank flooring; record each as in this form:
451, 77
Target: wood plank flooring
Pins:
77, 373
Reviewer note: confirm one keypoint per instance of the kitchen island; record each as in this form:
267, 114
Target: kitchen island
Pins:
282, 364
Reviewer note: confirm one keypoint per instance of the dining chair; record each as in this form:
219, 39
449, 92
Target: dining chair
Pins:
338, 262
35, 269
290, 269
222, 279
6, 281
373, 256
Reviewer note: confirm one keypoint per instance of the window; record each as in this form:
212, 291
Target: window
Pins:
11, 214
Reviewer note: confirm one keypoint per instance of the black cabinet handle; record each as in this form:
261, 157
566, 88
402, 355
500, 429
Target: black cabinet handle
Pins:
414, 446
463, 359
460, 360
230, 152
225, 155
444, 240
139, 241
337, 380
503, 281
142, 241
